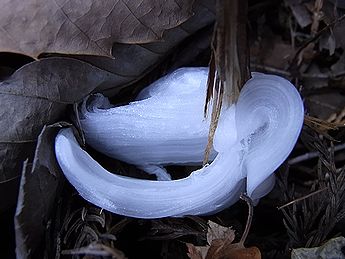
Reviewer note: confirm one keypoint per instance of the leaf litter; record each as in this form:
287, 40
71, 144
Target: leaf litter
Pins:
35, 95
302, 41
40, 186
91, 27
220, 242
37, 87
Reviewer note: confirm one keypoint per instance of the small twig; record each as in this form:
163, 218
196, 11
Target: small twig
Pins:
217, 103
317, 15
301, 198
85, 251
325, 125
286, 73
96, 249
270, 69
229, 63
312, 155
249, 202
18, 141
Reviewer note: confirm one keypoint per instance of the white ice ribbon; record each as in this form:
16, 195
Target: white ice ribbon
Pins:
166, 126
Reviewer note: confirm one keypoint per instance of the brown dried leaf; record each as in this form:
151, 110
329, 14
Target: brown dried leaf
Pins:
193, 252
35, 95
133, 61
300, 12
217, 236
277, 54
217, 231
220, 239
336, 34
234, 251
85, 27
34, 90
39, 187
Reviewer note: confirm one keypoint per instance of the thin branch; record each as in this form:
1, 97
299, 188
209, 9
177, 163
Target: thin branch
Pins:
249, 202
302, 198
278, 71
229, 64
313, 154
217, 103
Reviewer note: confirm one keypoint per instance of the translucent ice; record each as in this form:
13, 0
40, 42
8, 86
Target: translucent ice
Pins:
166, 126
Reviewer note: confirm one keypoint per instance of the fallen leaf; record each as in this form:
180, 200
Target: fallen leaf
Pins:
35, 95
38, 191
217, 231
331, 249
277, 55
234, 251
300, 12
40, 90
193, 252
85, 27
216, 235
130, 62
337, 32
220, 246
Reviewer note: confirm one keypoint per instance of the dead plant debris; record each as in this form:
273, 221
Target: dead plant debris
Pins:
45, 69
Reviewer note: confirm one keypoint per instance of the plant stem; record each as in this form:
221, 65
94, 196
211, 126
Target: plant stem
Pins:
249, 202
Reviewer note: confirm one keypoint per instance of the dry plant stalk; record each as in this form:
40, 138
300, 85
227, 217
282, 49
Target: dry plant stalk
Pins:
229, 64
317, 16
220, 241
321, 126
